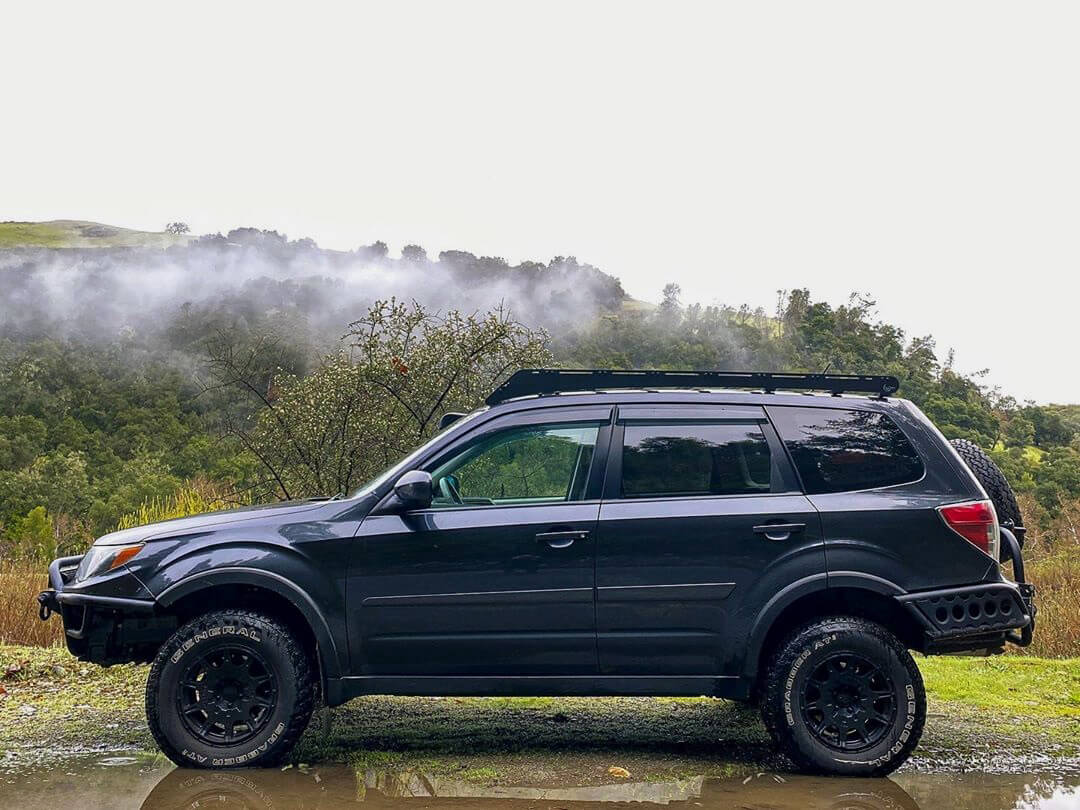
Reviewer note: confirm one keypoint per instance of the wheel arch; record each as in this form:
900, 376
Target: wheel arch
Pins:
238, 587
846, 593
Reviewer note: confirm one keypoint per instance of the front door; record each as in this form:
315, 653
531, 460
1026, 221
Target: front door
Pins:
497, 576
702, 522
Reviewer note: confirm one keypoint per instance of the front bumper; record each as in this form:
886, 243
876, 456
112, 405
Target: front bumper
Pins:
978, 617
102, 628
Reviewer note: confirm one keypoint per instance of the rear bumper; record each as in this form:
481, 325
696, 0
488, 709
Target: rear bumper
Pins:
100, 628
977, 617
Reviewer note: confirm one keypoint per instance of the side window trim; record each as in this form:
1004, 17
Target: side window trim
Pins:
785, 478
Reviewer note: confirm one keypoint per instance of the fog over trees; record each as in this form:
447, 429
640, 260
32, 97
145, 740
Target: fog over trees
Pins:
215, 371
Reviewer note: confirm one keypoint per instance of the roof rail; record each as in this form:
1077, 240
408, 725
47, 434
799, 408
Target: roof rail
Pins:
540, 381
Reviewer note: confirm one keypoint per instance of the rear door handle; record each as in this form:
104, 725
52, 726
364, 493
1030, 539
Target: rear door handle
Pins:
561, 539
779, 531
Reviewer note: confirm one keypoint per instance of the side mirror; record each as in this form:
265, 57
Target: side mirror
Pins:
413, 489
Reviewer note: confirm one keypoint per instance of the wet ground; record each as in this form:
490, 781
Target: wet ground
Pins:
136, 780
79, 740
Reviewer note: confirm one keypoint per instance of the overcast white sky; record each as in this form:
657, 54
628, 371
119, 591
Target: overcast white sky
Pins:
925, 153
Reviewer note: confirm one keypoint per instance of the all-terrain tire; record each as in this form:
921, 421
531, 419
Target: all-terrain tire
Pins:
796, 701
993, 481
243, 643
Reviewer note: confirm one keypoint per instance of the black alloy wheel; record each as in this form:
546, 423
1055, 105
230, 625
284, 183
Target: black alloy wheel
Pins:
231, 688
227, 696
848, 702
842, 695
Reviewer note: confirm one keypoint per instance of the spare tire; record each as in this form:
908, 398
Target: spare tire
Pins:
994, 482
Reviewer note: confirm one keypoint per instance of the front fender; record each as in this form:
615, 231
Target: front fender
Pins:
320, 626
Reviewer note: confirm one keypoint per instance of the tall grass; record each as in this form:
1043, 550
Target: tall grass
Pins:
194, 499
21, 580
1057, 597
20, 583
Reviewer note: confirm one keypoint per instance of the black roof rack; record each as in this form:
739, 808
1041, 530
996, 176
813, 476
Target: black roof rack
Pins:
531, 381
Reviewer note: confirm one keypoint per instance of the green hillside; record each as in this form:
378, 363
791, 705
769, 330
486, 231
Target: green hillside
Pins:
70, 233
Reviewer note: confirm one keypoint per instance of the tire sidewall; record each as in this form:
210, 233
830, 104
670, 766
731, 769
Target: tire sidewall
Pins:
200, 638
887, 753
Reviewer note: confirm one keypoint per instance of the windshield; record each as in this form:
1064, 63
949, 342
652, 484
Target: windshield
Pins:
411, 458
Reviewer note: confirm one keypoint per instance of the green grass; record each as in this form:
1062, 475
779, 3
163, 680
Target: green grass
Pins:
69, 233
1012, 685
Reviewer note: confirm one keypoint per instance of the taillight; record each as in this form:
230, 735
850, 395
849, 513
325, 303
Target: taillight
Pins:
976, 522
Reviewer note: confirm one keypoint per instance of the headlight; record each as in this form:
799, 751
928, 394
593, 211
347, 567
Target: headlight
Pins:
100, 559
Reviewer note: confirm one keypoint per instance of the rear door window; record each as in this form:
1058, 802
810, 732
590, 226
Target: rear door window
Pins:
691, 459
838, 450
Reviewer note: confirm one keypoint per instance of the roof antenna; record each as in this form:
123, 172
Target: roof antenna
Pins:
827, 367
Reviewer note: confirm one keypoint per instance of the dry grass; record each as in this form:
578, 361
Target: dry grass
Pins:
1057, 596
1052, 559
20, 584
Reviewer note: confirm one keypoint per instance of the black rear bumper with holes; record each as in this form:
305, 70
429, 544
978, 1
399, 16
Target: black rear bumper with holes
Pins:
978, 617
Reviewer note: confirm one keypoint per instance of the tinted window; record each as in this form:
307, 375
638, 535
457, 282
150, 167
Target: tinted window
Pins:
689, 459
838, 451
535, 464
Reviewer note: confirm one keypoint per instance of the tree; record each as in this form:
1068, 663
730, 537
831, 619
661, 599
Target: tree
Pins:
414, 254
1051, 429
364, 408
671, 301
34, 536
177, 228
1019, 432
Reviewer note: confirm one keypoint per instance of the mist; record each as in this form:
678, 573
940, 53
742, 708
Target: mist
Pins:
252, 279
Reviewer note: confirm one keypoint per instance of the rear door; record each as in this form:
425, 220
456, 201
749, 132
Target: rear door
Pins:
702, 521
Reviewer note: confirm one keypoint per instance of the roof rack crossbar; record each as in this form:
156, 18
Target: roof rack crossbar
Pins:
540, 381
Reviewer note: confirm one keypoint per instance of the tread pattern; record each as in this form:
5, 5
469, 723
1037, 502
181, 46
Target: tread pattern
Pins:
781, 662
992, 479
306, 682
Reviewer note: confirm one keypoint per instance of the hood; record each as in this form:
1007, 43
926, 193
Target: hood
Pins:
196, 523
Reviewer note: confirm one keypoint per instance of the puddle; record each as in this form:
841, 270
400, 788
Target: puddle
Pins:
151, 783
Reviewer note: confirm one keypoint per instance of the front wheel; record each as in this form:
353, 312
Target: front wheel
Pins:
843, 696
230, 688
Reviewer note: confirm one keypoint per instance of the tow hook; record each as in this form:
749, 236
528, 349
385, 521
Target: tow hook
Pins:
47, 605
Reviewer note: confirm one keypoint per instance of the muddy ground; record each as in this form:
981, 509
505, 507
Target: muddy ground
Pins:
1010, 720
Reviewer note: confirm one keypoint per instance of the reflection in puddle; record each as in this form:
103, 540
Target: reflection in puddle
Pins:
334, 788
150, 783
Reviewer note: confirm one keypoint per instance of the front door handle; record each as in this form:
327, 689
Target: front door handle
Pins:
561, 539
779, 531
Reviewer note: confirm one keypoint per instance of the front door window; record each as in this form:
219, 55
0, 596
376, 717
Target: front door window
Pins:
534, 464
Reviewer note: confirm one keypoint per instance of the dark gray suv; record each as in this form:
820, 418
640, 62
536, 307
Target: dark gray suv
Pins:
584, 533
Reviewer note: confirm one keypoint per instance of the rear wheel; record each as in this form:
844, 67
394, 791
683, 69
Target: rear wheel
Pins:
229, 688
843, 696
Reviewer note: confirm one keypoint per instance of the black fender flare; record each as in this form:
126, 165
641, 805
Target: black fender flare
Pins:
268, 580
816, 583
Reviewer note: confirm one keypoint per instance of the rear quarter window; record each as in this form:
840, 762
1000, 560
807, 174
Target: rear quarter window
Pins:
838, 450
